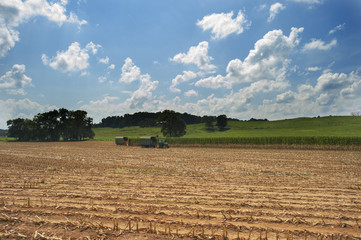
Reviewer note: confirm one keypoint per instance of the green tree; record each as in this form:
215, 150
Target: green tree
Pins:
64, 127
148, 122
172, 125
88, 131
79, 125
50, 126
208, 121
15, 127
221, 122
21, 129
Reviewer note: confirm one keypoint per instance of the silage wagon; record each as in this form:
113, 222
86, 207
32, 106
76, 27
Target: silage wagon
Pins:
122, 141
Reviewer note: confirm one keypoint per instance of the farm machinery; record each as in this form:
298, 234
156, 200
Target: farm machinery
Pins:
145, 142
152, 142
122, 141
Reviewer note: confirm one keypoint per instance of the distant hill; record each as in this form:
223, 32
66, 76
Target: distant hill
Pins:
344, 126
3, 132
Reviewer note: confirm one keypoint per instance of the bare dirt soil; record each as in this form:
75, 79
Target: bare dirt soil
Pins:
97, 190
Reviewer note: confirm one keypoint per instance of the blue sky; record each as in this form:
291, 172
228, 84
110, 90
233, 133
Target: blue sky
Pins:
243, 58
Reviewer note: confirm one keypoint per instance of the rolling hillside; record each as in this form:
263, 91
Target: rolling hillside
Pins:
341, 126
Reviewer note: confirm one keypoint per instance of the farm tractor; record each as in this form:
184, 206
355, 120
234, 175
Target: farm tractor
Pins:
147, 142
162, 143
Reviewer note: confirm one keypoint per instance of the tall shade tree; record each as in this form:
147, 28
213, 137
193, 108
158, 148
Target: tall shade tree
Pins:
208, 121
22, 129
221, 122
172, 125
48, 126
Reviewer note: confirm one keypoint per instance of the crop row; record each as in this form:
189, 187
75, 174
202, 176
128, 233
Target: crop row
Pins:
280, 140
135, 224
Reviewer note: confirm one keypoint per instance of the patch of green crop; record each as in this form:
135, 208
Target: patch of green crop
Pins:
108, 134
280, 140
337, 130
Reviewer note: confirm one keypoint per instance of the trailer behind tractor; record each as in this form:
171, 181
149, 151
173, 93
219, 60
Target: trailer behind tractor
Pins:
152, 142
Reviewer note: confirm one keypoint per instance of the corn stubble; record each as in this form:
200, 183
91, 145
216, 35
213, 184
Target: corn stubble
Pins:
181, 193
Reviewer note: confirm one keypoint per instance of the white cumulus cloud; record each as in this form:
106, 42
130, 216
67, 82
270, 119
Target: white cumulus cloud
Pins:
187, 76
313, 69
197, 55
222, 24
191, 93
144, 93
352, 91
214, 82
286, 97
73, 18
8, 38
104, 60
267, 61
329, 82
317, 44
93, 47
73, 59
15, 80
268, 58
130, 72
274, 10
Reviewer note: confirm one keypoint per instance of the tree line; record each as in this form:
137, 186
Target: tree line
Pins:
148, 119
172, 125
52, 126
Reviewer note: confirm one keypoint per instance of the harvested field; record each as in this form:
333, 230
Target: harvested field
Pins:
97, 190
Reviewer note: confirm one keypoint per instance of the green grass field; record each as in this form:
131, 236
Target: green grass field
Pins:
343, 126
337, 130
